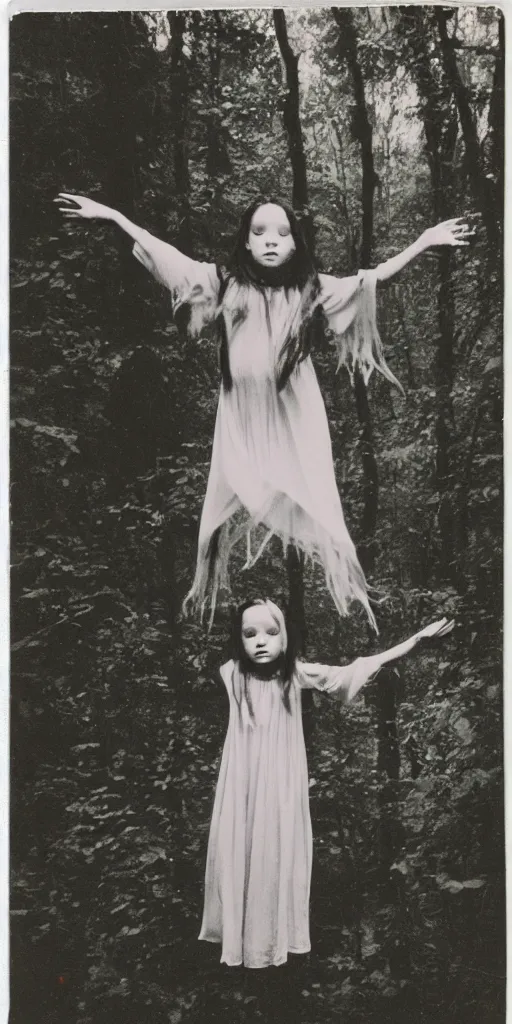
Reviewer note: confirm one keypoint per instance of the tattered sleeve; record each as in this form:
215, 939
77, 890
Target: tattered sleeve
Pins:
190, 283
350, 306
343, 681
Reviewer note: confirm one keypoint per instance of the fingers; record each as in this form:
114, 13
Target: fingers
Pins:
68, 210
70, 202
434, 628
439, 624
440, 628
447, 628
70, 206
454, 221
461, 235
458, 231
459, 221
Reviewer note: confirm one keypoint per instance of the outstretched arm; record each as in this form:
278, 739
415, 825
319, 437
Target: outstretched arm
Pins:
190, 282
451, 232
350, 306
353, 677
81, 208
436, 629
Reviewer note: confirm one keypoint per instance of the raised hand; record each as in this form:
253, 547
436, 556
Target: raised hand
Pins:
431, 632
449, 232
81, 208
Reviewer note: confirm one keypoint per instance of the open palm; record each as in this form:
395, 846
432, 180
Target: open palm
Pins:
449, 232
79, 207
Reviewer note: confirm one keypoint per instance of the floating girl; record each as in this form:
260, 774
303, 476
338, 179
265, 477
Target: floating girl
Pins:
259, 858
272, 462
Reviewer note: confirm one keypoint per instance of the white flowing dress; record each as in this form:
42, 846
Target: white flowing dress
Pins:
258, 867
271, 463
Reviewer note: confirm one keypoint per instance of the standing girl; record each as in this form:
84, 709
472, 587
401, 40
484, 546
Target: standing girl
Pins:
272, 461
258, 867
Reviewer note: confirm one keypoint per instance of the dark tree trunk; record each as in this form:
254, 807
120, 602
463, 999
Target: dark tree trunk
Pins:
119, 121
120, 115
362, 130
391, 831
180, 93
480, 184
218, 163
497, 120
388, 758
295, 567
361, 126
488, 398
292, 124
444, 375
342, 196
440, 126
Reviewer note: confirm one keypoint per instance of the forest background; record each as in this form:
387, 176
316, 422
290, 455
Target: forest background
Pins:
376, 122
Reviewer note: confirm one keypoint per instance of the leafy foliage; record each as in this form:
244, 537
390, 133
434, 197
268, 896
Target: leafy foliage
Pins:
116, 725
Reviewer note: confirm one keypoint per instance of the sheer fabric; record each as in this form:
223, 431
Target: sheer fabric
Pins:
258, 867
271, 462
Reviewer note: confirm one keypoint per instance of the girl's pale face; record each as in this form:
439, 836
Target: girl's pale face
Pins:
261, 637
270, 237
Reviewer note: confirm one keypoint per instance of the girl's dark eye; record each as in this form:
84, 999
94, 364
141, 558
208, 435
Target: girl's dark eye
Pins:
257, 231
284, 231
273, 632
248, 633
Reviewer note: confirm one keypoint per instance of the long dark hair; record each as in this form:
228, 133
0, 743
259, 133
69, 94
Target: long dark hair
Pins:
285, 664
297, 272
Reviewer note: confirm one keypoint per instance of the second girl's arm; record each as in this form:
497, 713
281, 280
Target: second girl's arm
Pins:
361, 671
435, 629
450, 232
